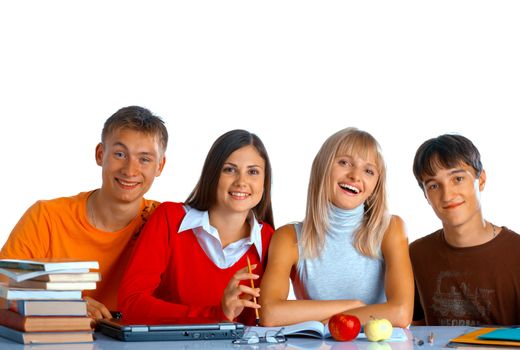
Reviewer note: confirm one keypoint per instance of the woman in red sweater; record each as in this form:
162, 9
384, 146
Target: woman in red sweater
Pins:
190, 262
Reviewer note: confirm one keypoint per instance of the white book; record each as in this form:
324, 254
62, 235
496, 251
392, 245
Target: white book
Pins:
317, 329
19, 275
48, 264
37, 294
69, 277
30, 284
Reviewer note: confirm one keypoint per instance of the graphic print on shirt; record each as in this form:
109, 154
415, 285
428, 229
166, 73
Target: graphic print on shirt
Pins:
145, 215
457, 303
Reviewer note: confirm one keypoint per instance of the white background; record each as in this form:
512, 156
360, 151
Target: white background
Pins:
291, 72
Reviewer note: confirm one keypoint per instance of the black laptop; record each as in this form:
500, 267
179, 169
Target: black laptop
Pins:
134, 332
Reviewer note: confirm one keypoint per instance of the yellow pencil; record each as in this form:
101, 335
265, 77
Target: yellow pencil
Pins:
253, 286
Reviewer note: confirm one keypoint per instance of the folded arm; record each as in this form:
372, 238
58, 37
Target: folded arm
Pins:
399, 287
276, 309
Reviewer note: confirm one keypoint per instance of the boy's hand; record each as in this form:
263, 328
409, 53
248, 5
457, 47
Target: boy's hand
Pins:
96, 310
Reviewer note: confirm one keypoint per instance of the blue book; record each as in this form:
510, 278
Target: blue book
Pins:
511, 334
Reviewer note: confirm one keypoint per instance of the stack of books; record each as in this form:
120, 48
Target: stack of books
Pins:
43, 300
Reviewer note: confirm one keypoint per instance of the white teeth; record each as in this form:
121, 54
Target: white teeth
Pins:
348, 187
124, 183
239, 194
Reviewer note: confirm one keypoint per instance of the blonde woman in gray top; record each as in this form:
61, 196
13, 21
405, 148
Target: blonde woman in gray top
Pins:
348, 255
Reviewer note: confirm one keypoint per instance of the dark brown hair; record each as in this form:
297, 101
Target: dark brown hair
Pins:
445, 151
204, 194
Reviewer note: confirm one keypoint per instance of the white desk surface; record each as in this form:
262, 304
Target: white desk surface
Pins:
441, 337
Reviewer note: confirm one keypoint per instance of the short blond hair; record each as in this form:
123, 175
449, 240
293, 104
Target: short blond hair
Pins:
368, 238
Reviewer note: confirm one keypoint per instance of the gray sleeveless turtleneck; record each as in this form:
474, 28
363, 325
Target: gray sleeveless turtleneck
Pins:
340, 272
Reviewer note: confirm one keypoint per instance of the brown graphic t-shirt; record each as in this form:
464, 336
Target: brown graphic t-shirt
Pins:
468, 286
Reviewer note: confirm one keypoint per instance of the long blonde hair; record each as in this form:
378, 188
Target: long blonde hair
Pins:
368, 238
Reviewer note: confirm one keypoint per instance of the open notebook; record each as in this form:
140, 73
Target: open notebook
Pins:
133, 332
317, 329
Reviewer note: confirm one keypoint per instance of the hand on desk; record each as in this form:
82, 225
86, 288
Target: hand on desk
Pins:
238, 296
96, 310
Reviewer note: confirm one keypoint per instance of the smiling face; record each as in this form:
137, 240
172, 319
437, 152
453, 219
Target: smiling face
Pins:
130, 161
353, 180
241, 183
454, 194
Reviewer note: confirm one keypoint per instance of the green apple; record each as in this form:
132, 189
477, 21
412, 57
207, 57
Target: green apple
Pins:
378, 329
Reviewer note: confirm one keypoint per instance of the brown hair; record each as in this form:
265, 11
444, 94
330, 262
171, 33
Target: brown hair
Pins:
204, 194
139, 119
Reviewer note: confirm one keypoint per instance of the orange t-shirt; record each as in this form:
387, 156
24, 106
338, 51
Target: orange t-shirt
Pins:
59, 228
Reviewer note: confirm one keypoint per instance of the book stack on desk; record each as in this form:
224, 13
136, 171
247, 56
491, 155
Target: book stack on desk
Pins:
43, 300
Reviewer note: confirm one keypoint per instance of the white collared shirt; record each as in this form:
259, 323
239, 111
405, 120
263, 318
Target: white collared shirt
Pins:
209, 239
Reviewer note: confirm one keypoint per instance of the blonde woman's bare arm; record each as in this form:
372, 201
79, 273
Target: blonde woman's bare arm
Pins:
399, 287
276, 309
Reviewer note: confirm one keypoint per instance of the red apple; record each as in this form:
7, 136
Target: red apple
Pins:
344, 327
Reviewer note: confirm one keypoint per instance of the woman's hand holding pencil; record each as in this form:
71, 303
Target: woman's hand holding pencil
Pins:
238, 296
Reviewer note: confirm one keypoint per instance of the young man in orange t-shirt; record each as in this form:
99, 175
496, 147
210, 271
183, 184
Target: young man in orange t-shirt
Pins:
102, 224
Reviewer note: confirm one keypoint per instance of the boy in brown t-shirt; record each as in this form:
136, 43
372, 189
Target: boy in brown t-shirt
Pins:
467, 273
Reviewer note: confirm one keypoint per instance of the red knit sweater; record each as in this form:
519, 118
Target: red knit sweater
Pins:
170, 279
